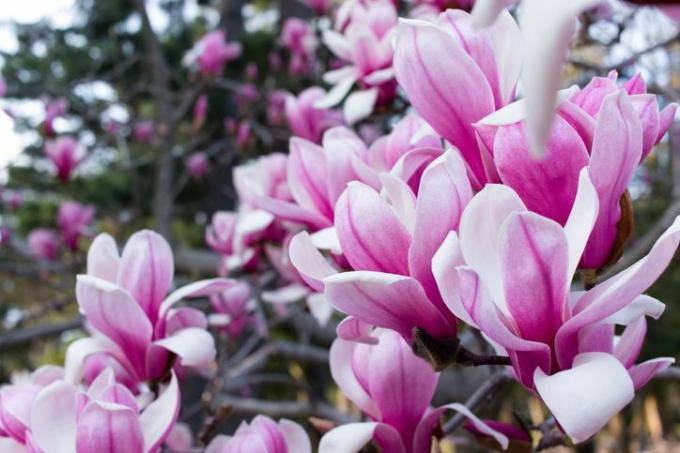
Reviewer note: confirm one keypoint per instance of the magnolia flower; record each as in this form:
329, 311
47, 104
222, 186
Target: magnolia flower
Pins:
106, 417
607, 129
389, 242
66, 154
307, 121
180, 439
74, 220
143, 131
263, 435
243, 134
232, 309
553, 21
276, 107
364, 44
53, 110
43, 244
124, 301
393, 387
298, 36
487, 66
212, 52
509, 274
197, 165
13, 198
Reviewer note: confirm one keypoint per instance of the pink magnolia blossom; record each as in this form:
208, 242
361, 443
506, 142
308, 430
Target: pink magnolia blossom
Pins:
389, 241
276, 107
604, 128
66, 154
251, 71
394, 388
487, 66
232, 309
263, 435
105, 417
180, 439
143, 131
126, 303
198, 165
73, 220
246, 95
364, 43
298, 36
275, 62
509, 274
43, 244
307, 121
53, 110
13, 198
212, 52
243, 134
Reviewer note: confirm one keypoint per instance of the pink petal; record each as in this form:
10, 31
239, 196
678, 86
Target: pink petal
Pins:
351, 438
436, 215
146, 270
386, 300
581, 219
584, 398
642, 373
306, 177
534, 265
485, 12
371, 236
113, 312
286, 210
108, 427
628, 346
195, 347
53, 418
297, 439
617, 148
547, 186
423, 60
355, 330
200, 288
159, 416
401, 384
444, 264
103, 259
311, 264
81, 349
340, 360
359, 105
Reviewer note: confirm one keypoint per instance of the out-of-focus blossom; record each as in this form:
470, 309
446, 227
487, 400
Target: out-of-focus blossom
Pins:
394, 388
16, 404
143, 131
232, 310
275, 62
251, 71
243, 134
126, 303
13, 198
180, 439
43, 244
298, 36
113, 127
307, 121
106, 417
487, 66
276, 107
561, 343
390, 241
246, 95
608, 129
212, 52
5, 235
66, 154
364, 43
430, 9
263, 435
198, 165
73, 220
200, 112
53, 110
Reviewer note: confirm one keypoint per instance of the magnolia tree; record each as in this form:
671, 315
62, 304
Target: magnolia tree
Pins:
398, 209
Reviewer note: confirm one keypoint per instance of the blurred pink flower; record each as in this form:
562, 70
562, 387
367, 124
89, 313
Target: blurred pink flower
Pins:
307, 121
198, 165
143, 131
200, 112
53, 110
43, 244
212, 52
13, 198
298, 36
73, 220
232, 310
66, 155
